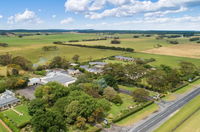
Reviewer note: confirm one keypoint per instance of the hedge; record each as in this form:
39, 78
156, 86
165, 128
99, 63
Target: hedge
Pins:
132, 112
179, 87
9, 123
99, 47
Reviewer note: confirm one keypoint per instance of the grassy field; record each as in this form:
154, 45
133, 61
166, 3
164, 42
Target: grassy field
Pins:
172, 61
180, 115
17, 119
117, 109
139, 44
138, 116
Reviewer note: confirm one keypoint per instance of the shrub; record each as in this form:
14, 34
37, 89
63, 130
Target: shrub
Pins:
115, 41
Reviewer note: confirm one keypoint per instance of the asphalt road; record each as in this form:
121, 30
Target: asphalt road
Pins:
149, 124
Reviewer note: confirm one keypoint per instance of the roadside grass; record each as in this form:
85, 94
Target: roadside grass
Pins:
2, 128
190, 125
172, 61
189, 87
118, 109
144, 113
17, 119
182, 114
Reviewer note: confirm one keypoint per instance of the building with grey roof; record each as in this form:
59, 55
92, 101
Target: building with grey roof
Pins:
8, 99
123, 58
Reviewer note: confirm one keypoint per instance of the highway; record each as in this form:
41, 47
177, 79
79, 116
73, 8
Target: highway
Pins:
152, 122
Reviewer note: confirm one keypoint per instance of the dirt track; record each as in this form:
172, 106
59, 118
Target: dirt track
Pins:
9, 130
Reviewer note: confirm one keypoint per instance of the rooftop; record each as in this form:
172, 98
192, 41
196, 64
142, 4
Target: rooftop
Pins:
8, 97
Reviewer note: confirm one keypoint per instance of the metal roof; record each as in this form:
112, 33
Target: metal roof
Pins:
7, 98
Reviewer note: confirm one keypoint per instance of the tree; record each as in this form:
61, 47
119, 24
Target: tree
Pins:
35, 106
111, 81
3, 86
188, 70
75, 58
111, 95
51, 92
22, 62
48, 121
72, 111
140, 95
91, 89
5, 59
59, 62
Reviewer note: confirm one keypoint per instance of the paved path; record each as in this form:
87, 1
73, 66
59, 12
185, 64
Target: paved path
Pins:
9, 130
152, 122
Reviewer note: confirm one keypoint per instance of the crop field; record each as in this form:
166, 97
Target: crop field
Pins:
16, 118
181, 115
172, 61
184, 50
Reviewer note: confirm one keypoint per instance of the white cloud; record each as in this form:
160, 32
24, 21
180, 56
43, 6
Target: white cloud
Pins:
1, 16
53, 16
67, 20
26, 16
96, 9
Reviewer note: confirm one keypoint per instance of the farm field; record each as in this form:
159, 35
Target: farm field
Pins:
184, 50
139, 44
16, 118
172, 61
182, 114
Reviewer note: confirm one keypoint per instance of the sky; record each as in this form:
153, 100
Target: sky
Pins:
100, 14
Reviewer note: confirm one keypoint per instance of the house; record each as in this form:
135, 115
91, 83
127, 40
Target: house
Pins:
73, 72
34, 81
123, 58
56, 75
8, 99
92, 69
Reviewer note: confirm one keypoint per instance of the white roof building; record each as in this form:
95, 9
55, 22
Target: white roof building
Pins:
7, 98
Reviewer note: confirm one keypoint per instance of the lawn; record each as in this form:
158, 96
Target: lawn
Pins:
17, 119
2, 128
130, 88
118, 109
138, 116
172, 61
182, 114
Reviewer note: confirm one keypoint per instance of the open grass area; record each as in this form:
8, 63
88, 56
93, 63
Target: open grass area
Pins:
16, 118
118, 109
3, 71
172, 61
191, 125
138, 116
182, 114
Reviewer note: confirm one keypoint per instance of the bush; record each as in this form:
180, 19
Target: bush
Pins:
42, 73
115, 41
194, 39
3, 45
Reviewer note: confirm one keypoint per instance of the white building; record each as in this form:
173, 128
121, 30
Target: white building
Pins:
54, 76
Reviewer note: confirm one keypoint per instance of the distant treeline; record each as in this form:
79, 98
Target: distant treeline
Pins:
185, 33
97, 47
